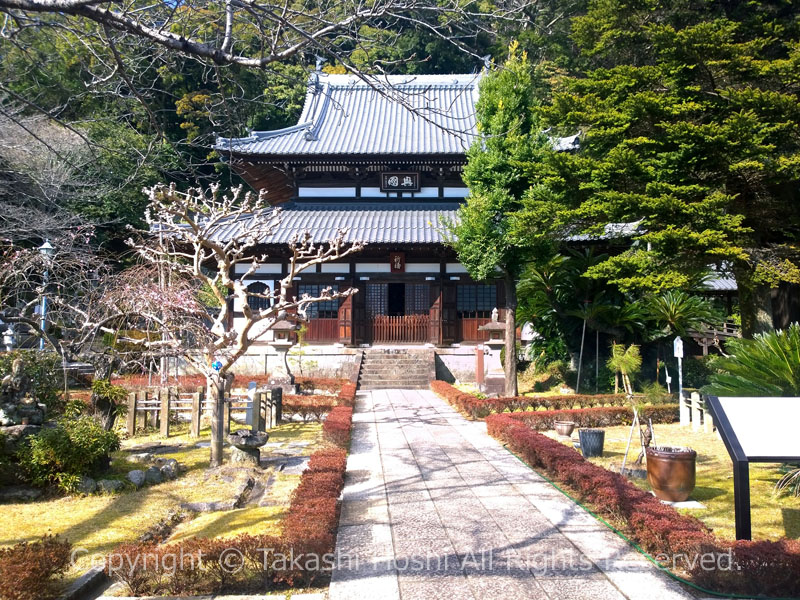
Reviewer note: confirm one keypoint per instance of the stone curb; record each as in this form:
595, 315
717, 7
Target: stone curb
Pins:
84, 585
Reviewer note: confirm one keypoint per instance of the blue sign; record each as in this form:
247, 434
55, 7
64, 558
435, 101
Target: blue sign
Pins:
216, 365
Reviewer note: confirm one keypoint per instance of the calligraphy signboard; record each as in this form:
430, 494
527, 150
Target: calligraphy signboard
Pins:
397, 260
400, 181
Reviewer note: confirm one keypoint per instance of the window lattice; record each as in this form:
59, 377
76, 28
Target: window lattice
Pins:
476, 300
256, 302
418, 298
327, 309
377, 299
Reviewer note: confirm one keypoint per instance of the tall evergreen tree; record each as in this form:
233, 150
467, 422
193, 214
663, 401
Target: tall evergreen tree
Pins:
691, 123
502, 164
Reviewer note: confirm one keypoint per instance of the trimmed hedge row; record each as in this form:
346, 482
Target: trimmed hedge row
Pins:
317, 406
347, 395
602, 416
336, 427
741, 567
479, 408
308, 407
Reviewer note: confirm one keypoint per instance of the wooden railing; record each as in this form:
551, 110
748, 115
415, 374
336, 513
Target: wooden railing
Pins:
322, 330
407, 329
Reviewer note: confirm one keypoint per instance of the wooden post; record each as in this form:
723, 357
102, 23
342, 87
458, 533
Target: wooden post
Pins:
197, 412
276, 399
250, 410
266, 401
695, 411
683, 409
708, 420
163, 412
142, 400
479, 366
131, 424
257, 407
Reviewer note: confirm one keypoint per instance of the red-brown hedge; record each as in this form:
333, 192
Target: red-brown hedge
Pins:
602, 416
330, 459
308, 407
27, 570
479, 408
336, 426
751, 568
347, 395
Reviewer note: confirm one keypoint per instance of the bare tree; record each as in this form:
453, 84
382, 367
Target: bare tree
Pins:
200, 236
257, 34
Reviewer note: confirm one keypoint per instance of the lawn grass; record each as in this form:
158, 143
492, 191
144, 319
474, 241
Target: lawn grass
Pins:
98, 523
774, 517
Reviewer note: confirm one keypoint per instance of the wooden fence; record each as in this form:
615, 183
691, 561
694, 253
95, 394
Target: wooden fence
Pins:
403, 329
263, 409
693, 412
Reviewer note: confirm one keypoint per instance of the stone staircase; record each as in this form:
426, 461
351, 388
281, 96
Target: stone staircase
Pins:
397, 368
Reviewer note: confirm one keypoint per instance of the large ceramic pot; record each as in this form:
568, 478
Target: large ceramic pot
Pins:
671, 472
592, 441
565, 428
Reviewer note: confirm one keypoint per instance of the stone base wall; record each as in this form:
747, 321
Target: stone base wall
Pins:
456, 364
452, 364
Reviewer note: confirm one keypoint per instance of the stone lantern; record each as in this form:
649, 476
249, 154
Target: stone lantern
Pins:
494, 383
280, 375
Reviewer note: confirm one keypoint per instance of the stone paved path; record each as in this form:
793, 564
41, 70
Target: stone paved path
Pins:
435, 508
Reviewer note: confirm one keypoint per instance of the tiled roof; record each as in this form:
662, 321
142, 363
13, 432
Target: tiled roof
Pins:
611, 231
412, 114
718, 282
372, 223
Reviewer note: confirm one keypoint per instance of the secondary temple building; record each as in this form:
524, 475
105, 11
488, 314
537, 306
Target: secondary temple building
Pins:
386, 166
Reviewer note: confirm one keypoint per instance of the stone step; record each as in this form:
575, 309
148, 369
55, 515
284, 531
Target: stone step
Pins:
398, 385
396, 369
419, 380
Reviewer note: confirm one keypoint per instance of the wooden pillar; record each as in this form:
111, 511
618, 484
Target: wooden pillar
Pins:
257, 411
163, 412
146, 418
276, 402
449, 313
197, 412
346, 321
131, 423
435, 314
696, 410
266, 399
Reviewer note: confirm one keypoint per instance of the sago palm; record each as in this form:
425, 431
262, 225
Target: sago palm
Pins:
676, 313
768, 365
626, 362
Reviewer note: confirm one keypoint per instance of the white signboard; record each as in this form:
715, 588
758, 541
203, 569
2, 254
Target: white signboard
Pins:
677, 348
765, 427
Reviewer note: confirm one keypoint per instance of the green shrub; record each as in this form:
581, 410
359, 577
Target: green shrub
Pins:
696, 371
62, 454
655, 393
768, 365
44, 370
